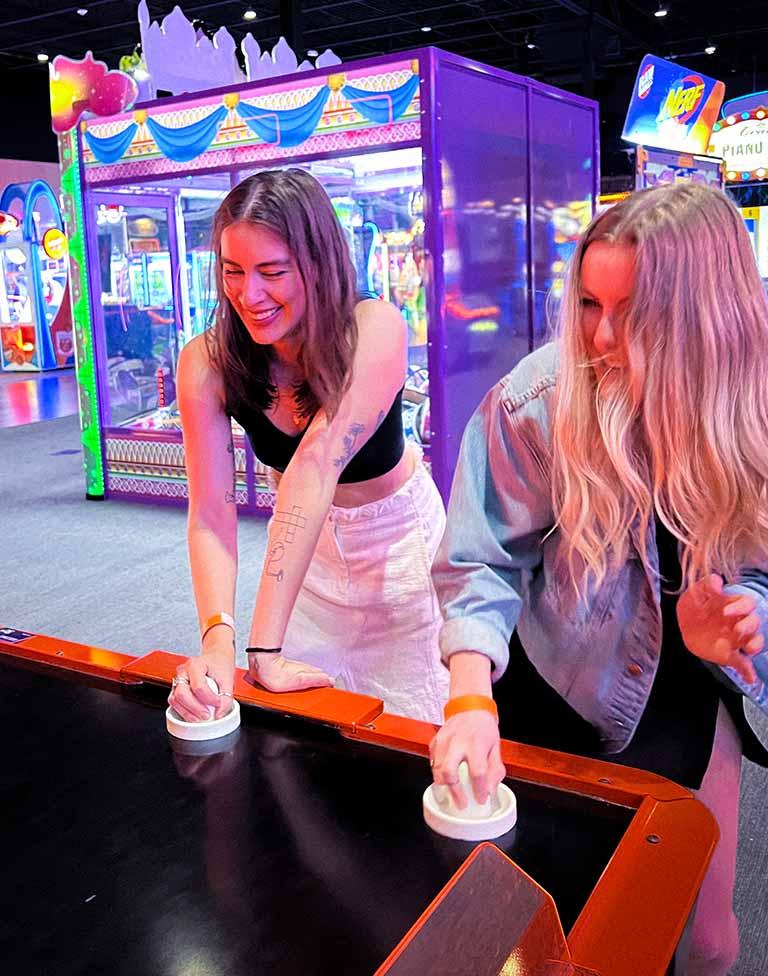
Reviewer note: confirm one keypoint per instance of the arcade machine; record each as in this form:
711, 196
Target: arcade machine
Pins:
740, 136
380, 204
135, 306
564, 225
670, 118
202, 289
440, 210
657, 167
35, 319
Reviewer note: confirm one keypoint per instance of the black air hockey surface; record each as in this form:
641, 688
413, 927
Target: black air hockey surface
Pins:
294, 851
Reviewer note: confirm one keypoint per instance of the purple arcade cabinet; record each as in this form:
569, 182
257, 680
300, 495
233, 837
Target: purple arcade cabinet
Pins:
460, 187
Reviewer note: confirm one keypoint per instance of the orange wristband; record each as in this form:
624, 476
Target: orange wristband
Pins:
219, 618
470, 703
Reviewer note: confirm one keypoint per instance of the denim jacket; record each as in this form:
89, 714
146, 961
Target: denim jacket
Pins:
498, 568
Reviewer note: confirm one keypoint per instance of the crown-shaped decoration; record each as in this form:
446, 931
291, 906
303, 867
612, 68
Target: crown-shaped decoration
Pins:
180, 58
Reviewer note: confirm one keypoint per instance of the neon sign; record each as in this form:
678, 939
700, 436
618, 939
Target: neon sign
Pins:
672, 107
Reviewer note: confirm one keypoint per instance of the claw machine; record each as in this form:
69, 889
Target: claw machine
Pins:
459, 187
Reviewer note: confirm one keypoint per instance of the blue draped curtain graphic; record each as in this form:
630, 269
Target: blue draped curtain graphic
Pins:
189, 141
111, 148
285, 127
382, 107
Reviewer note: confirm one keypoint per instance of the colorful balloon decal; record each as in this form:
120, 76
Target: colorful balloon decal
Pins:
87, 86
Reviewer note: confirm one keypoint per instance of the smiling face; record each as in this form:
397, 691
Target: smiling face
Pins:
263, 283
607, 283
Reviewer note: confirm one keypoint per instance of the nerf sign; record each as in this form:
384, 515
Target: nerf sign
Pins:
672, 107
682, 102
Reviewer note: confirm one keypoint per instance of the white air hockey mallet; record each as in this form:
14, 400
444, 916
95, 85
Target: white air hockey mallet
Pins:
477, 821
212, 728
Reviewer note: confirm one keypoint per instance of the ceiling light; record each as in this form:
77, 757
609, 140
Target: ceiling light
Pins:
82, 11
42, 57
312, 53
661, 12
710, 48
250, 14
529, 43
425, 30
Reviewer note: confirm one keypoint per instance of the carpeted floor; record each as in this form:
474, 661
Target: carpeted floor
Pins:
105, 573
115, 575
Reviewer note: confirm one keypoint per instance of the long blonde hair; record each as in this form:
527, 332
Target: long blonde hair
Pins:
685, 429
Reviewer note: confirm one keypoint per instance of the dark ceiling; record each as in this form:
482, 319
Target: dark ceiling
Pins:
592, 47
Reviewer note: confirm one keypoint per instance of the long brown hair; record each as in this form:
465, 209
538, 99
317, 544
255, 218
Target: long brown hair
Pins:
685, 431
294, 206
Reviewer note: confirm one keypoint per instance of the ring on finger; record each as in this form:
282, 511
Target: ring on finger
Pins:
431, 762
179, 680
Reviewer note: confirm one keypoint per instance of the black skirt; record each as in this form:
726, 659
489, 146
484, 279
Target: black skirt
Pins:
676, 731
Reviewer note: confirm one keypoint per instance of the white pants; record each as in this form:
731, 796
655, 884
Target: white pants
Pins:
367, 613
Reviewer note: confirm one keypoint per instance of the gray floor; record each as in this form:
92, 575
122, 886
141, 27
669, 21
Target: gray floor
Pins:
115, 575
105, 573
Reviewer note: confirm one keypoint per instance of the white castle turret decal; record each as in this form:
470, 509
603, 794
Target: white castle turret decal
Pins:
179, 58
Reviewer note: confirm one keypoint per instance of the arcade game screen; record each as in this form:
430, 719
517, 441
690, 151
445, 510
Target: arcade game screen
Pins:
662, 166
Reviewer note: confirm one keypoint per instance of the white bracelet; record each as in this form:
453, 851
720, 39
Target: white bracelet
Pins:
219, 618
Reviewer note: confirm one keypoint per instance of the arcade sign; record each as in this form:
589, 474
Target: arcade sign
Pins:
55, 243
742, 142
672, 107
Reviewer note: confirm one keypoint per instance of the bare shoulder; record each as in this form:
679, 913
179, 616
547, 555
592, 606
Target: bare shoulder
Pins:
372, 311
382, 332
196, 376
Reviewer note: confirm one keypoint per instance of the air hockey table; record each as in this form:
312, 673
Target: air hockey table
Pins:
298, 845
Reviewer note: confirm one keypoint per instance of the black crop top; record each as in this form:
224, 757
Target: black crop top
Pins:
377, 456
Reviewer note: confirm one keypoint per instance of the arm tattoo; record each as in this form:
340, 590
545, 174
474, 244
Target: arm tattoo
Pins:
276, 554
231, 496
286, 525
349, 445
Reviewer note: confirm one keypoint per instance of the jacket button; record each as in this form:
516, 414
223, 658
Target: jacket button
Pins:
635, 670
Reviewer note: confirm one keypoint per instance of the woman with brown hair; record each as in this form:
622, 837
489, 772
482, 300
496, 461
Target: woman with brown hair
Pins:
608, 527
315, 378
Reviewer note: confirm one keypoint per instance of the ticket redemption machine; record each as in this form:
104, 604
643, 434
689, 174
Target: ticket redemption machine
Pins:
670, 119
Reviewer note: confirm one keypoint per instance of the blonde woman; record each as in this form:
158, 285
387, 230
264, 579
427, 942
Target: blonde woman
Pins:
315, 377
608, 526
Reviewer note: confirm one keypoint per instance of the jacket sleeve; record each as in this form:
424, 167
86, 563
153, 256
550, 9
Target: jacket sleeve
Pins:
499, 507
754, 582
